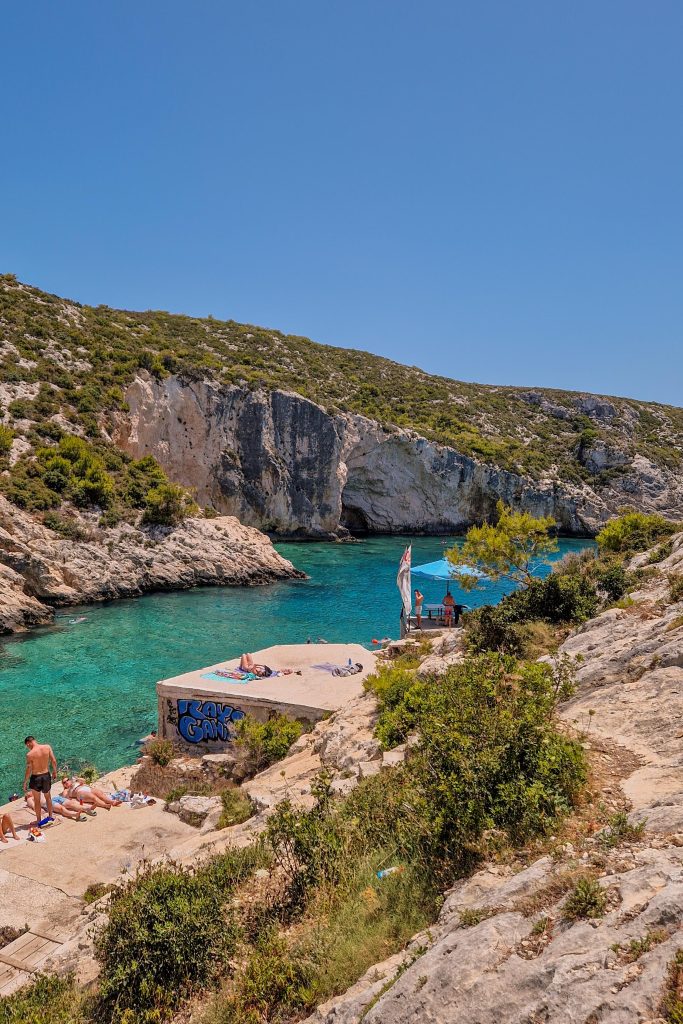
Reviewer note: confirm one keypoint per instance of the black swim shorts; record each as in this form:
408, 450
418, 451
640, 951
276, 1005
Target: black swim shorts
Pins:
40, 783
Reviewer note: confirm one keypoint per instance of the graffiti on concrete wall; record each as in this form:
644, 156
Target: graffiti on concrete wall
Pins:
199, 721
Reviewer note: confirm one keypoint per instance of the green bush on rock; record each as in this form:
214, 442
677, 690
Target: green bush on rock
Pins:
264, 743
94, 474
635, 531
6, 439
168, 934
49, 1000
167, 505
489, 755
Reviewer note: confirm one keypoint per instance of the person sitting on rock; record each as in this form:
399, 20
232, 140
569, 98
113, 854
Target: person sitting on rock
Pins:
7, 825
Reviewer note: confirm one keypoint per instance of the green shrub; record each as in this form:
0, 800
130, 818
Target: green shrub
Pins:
167, 935
586, 900
237, 807
619, 830
47, 1000
496, 628
273, 986
167, 505
613, 579
161, 751
488, 755
569, 596
399, 692
96, 891
635, 531
6, 438
264, 743
675, 588
89, 772
672, 1002
64, 526
141, 476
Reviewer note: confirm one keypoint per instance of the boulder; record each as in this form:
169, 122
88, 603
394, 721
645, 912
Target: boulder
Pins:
194, 810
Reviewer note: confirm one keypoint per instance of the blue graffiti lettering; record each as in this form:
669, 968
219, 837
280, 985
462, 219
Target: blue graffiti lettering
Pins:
201, 721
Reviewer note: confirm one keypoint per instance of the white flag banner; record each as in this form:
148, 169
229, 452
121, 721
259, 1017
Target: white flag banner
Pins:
403, 583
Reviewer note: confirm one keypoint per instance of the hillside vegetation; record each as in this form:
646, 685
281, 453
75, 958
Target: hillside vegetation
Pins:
67, 366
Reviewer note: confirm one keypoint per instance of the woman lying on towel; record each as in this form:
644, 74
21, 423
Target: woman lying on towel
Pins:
247, 664
78, 789
248, 670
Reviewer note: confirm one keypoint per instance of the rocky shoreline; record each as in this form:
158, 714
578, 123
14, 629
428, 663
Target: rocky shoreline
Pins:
41, 570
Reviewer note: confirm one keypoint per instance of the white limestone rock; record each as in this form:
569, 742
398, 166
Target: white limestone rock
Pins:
39, 565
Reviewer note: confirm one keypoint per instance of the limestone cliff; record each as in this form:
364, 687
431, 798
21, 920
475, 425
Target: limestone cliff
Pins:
40, 570
281, 462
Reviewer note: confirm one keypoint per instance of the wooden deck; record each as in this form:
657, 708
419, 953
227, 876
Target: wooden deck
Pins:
25, 956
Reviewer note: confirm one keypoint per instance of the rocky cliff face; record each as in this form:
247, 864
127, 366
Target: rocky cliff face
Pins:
280, 462
39, 569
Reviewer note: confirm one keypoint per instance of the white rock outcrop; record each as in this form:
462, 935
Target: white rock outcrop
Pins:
39, 569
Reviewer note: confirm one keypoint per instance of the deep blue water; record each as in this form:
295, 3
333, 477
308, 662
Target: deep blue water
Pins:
88, 688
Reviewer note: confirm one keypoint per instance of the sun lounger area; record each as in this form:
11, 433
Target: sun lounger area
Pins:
198, 710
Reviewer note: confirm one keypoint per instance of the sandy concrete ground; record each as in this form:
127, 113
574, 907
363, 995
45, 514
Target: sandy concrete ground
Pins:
44, 881
315, 687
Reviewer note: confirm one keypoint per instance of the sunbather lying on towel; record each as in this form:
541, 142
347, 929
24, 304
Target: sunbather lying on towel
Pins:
7, 825
247, 664
78, 789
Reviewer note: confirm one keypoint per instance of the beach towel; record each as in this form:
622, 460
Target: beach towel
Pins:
235, 673
234, 677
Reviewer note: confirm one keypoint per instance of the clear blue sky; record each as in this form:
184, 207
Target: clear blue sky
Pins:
490, 190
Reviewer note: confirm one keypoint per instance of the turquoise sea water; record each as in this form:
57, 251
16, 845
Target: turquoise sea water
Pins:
88, 688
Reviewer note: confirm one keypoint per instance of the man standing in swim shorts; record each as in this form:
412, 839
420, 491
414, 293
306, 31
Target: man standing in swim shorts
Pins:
38, 777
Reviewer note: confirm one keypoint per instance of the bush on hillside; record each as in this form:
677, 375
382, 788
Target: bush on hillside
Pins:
64, 526
264, 743
6, 439
237, 807
489, 755
168, 934
675, 588
635, 531
48, 1000
96, 474
161, 751
568, 597
167, 505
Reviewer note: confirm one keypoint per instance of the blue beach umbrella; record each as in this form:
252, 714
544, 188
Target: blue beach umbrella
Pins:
442, 569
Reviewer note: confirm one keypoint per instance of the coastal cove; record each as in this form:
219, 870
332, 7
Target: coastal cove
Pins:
88, 687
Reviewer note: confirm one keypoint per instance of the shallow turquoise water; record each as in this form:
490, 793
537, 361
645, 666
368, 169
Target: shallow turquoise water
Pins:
88, 688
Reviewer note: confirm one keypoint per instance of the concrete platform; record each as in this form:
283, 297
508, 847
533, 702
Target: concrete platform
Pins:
198, 710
